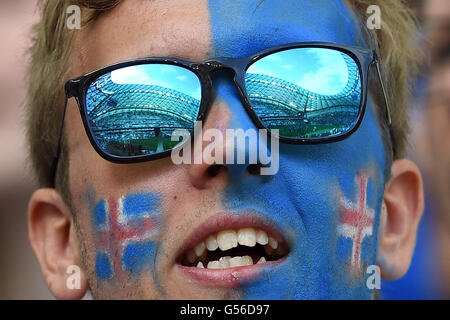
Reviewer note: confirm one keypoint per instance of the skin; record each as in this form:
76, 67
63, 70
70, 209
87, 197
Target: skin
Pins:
319, 262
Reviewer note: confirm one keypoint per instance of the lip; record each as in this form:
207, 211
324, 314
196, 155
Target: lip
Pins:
226, 278
235, 276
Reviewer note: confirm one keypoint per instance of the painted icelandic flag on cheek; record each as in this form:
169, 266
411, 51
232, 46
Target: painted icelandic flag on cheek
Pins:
125, 232
356, 220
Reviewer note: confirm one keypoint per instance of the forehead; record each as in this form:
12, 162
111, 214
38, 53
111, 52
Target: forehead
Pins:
245, 27
199, 29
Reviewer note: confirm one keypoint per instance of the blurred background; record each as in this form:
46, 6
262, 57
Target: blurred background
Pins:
20, 276
429, 274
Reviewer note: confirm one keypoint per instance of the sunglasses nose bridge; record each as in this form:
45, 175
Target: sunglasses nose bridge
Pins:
235, 66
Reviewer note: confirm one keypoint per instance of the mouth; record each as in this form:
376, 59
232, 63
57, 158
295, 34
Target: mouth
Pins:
227, 246
234, 248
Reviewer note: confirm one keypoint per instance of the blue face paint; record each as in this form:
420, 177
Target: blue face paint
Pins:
242, 28
305, 198
140, 205
103, 266
99, 216
138, 256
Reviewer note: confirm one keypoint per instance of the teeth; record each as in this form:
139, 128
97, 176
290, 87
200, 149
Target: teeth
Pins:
228, 262
241, 261
268, 249
227, 239
273, 243
236, 261
224, 262
200, 249
246, 237
247, 261
213, 265
261, 260
203, 256
211, 243
261, 237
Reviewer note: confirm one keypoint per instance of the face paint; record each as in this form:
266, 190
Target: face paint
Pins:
356, 220
305, 199
126, 232
235, 24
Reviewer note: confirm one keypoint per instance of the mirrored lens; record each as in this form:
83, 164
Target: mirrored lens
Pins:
134, 110
306, 92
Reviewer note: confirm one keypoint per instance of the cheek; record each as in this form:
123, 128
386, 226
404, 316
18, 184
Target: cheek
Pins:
122, 226
85, 164
326, 198
76, 139
321, 175
339, 187
125, 233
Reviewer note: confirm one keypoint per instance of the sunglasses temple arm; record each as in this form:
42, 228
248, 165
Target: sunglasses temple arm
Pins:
386, 101
55, 159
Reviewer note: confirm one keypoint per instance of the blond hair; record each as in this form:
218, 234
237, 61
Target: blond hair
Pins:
47, 73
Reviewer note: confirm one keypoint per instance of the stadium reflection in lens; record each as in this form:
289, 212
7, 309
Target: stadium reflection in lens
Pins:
306, 92
133, 111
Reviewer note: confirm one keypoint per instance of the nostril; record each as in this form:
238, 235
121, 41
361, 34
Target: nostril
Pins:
254, 169
214, 170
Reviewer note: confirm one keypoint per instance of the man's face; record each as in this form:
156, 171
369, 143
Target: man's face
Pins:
321, 208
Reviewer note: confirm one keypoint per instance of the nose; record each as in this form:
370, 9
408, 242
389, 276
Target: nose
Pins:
239, 158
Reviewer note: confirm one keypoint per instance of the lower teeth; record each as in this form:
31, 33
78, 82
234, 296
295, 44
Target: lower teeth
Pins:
237, 257
261, 260
228, 262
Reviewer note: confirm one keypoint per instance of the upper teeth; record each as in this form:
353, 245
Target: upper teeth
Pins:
261, 237
199, 249
247, 237
273, 243
228, 239
211, 243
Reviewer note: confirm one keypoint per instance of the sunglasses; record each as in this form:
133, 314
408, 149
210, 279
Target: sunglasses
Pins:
312, 92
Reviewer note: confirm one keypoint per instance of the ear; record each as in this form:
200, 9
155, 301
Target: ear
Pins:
402, 208
54, 241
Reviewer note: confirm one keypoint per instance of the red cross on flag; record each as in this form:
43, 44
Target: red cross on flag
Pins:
356, 220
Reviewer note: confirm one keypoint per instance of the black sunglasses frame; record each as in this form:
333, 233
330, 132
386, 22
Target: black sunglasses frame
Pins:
78, 87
